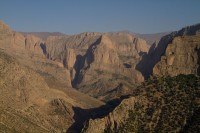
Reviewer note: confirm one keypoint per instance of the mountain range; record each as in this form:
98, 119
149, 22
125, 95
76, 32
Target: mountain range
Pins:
99, 82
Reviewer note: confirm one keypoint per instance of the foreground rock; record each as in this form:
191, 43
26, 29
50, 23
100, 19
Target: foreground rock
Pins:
28, 104
159, 105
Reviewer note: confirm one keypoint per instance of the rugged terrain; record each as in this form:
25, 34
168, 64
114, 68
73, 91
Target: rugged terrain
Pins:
163, 103
44, 77
166, 104
36, 92
158, 50
93, 63
28, 104
181, 57
99, 62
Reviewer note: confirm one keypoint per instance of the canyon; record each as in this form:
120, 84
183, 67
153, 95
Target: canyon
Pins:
99, 82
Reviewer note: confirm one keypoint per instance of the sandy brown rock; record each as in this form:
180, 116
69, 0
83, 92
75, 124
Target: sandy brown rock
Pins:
28, 104
98, 57
104, 57
31, 52
91, 61
33, 44
181, 57
158, 50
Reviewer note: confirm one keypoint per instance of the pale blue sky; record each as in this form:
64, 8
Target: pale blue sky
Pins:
75, 16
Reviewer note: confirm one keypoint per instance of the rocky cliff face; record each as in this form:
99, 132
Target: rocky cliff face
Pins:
31, 52
37, 83
80, 58
108, 60
158, 50
101, 55
181, 57
6, 35
34, 44
154, 105
14, 40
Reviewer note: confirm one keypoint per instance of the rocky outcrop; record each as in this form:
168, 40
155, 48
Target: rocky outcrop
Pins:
92, 62
99, 55
5, 36
158, 50
31, 51
14, 40
181, 57
153, 107
107, 58
102, 54
114, 120
34, 44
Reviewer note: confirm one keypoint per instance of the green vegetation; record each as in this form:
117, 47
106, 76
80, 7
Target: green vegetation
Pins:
172, 106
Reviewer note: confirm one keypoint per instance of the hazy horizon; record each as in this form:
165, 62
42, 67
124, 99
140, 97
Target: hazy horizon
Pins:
74, 17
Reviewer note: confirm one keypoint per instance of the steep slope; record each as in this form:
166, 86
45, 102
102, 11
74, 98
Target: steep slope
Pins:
36, 92
31, 52
104, 61
158, 50
153, 107
29, 105
93, 63
95, 59
181, 57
